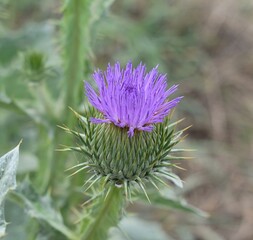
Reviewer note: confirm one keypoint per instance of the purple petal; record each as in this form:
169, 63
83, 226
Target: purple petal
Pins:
130, 132
93, 97
98, 120
147, 128
131, 96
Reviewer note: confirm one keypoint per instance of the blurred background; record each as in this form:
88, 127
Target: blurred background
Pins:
205, 46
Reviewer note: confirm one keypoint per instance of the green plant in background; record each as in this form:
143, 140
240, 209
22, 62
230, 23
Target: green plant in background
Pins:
8, 168
36, 91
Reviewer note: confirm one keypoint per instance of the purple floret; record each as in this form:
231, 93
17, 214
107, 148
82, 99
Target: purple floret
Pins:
131, 98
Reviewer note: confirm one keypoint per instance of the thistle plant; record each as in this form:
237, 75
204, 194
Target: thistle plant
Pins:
126, 135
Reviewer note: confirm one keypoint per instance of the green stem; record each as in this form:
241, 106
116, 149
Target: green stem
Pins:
76, 24
106, 215
75, 32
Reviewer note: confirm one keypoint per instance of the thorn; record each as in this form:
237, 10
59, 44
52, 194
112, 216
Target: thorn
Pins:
161, 181
153, 183
183, 130
76, 113
175, 123
170, 157
140, 183
78, 165
79, 170
129, 192
125, 190
106, 180
183, 150
176, 166
107, 193
20, 141
89, 200
62, 149
92, 183
171, 113
64, 128
88, 180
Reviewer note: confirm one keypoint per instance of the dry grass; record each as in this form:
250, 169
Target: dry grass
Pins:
221, 179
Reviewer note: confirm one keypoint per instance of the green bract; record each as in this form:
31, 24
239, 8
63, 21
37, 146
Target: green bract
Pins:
113, 157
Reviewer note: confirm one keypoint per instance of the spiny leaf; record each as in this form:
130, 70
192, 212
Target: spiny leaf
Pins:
8, 169
10, 104
41, 208
174, 178
168, 199
134, 228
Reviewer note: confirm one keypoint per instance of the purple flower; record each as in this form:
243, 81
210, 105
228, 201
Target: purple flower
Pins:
130, 97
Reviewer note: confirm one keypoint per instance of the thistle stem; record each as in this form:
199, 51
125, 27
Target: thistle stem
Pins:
106, 215
76, 24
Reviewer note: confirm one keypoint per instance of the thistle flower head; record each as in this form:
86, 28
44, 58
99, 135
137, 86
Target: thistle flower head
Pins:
132, 139
131, 98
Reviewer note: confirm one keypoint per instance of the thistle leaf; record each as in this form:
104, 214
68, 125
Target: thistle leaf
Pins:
167, 199
12, 105
173, 178
41, 208
134, 228
8, 169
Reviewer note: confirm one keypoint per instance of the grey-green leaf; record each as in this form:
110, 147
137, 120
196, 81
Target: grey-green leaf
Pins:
12, 105
8, 169
173, 178
168, 199
41, 208
135, 228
